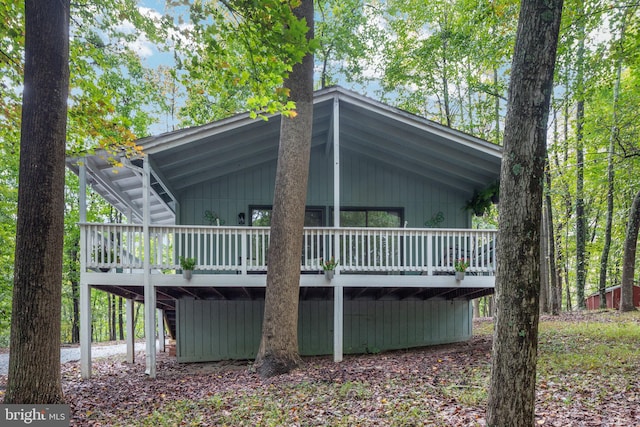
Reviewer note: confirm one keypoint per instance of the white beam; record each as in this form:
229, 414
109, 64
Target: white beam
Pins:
149, 288
336, 163
82, 191
85, 290
338, 324
131, 332
338, 292
85, 330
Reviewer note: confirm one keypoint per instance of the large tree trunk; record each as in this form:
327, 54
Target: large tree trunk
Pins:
511, 398
34, 364
629, 260
278, 351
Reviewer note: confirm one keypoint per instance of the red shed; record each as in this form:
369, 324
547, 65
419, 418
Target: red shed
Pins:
613, 298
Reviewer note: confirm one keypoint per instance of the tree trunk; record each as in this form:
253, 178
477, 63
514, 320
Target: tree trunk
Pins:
75, 325
112, 331
74, 275
136, 316
445, 80
109, 317
34, 363
629, 260
555, 292
511, 399
544, 266
581, 225
278, 352
120, 319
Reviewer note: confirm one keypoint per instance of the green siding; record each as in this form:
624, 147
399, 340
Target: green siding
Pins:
211, 330
365, 182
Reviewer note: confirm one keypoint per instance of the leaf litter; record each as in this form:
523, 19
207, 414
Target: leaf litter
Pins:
435, 386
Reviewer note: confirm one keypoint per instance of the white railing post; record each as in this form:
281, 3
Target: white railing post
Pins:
149, 289
430, 257
244, 252
243, 249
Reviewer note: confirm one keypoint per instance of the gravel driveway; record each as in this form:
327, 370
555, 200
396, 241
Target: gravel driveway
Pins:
71, 354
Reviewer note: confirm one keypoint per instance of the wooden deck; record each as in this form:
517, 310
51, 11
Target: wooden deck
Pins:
244, 250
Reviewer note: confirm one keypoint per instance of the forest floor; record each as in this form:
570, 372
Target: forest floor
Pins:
588, 375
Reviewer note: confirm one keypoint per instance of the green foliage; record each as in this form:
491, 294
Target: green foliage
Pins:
187, 263
113, 98
237, 57
589, 346
445, 61
346, 35
480, 203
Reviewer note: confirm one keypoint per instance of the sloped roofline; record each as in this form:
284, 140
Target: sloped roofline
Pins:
168, 140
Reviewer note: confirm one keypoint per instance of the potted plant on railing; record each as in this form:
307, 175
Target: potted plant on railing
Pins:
329, 267
187, 265
460, 265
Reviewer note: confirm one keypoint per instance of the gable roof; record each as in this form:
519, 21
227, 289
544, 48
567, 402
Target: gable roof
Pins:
186, 157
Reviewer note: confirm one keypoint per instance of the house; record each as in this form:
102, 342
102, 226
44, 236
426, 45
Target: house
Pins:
386, 197
612, 295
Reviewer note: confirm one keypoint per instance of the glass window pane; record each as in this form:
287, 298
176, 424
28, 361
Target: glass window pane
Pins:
388, 218
353, 218
261, 217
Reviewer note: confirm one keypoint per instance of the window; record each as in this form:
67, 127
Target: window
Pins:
261, 216
371, 217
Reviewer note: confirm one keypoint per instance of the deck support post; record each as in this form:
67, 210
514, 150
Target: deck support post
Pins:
131, 331
85, 330
338, 291
336, 165
338, 322
129, 309
85, 289
149, 288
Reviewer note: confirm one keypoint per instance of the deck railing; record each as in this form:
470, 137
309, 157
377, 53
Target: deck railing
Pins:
245, 249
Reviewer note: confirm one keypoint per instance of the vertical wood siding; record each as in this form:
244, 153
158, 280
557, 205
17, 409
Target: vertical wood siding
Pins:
221, 330
365, 182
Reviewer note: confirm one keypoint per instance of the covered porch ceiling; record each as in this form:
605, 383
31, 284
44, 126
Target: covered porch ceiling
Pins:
367, 128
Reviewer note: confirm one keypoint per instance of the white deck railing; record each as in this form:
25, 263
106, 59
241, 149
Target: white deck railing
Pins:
245, 249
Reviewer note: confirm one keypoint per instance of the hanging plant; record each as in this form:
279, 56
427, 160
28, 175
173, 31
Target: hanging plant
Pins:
482, 200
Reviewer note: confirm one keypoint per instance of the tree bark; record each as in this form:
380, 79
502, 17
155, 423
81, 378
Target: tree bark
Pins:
511, 399
34, 363
629, 260
278, 352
